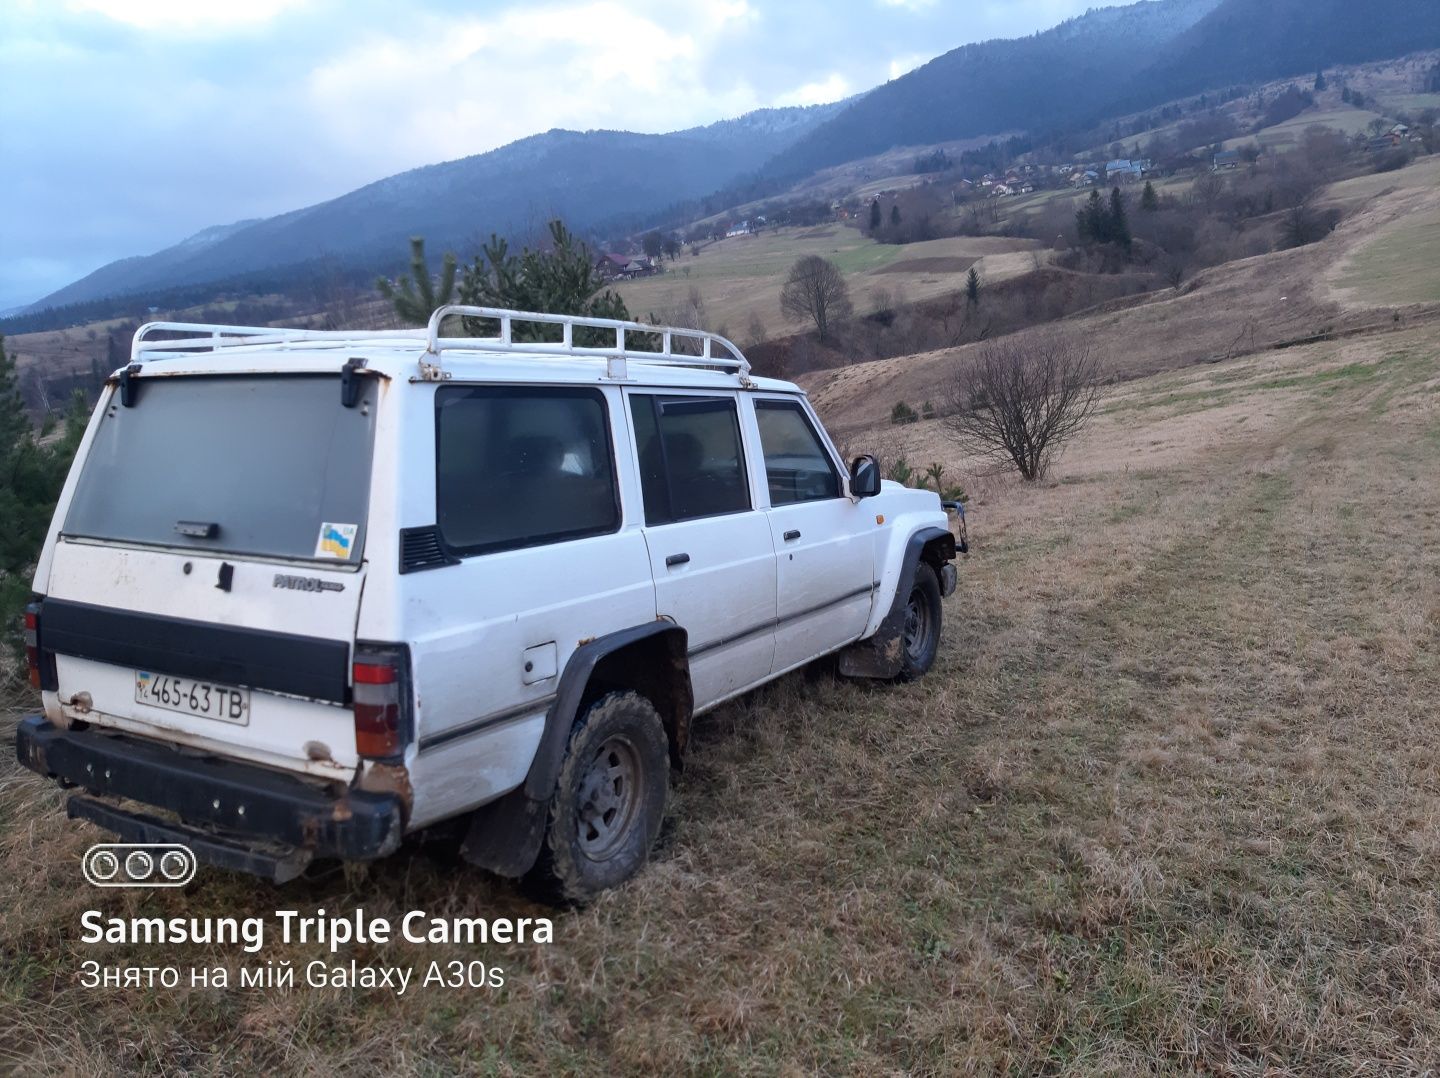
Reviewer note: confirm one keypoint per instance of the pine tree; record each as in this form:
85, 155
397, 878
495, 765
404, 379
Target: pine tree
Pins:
31, 475
895, 215
1320, 83
973, 287
1149, 200
1119, 223
561, 280
875, 215
1091, 222
416, 298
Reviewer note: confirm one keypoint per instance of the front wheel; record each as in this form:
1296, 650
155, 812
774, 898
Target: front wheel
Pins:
609, 800
920, 632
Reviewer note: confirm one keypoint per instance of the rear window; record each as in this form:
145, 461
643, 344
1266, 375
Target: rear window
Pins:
268, 465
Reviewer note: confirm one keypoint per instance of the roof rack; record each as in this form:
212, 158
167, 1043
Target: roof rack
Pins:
203, 337
615, 356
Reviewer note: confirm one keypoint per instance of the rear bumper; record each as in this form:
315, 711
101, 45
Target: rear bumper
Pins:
223, 804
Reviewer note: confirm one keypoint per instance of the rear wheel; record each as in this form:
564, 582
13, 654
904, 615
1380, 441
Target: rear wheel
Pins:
920, 631
609, 800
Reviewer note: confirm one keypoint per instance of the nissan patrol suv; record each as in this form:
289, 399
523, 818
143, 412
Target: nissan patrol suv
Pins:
308, 592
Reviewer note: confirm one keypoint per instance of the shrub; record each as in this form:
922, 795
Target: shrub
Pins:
902, 413
1021, 401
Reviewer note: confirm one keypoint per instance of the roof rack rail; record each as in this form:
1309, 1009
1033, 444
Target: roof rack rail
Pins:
197, 337
616, 356
205, 337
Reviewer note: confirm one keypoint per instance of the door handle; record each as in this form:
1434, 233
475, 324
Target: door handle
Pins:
676, 559
791, 535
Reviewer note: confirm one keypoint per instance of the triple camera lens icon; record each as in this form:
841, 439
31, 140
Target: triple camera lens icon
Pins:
138, 864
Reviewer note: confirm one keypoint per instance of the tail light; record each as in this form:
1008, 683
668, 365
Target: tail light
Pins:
381, 697
41, 666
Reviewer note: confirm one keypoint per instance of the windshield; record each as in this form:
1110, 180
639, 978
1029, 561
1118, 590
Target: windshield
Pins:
270, 465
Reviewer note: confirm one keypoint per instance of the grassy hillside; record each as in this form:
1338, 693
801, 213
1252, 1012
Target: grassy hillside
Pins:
1282, 138
743, 275
1395, 263
1226, 311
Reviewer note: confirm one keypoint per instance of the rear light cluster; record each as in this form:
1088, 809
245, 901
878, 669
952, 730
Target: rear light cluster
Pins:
381, 697
40, 665
32, 642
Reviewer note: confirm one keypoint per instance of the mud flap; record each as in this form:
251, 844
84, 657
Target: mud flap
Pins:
505, 836
883, 654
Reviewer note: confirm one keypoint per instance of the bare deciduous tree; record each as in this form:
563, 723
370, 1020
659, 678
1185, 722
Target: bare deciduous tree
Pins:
1020, 400
816, 290
1207, 190
755, 332
1174, 269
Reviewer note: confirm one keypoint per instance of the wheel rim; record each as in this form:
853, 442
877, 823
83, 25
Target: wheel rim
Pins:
609, 798
917, 626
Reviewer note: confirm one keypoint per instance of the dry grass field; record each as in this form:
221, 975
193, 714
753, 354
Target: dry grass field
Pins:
1167, 803
1286, 136
742, 275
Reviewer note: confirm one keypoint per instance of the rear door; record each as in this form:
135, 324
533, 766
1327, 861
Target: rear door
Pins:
824, 542
208, 573
710, 549
527, 504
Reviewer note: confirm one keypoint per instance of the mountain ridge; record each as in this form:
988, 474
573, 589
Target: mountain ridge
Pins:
511, 188
1107, 62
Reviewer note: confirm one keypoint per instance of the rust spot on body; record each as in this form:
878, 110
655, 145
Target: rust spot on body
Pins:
381, 778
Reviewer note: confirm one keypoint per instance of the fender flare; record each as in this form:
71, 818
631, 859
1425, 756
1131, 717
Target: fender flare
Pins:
505, 836
873, 657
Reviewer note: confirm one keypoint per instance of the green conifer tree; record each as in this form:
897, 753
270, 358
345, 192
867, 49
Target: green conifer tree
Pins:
417, 295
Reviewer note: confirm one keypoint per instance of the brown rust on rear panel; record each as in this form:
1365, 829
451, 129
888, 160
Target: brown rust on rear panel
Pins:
382, 778
310, 830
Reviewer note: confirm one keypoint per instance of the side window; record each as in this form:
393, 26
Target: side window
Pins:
520, 466
691, 464
797, 468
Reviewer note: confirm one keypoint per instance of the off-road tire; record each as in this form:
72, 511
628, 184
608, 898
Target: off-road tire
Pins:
920, 630
609, 801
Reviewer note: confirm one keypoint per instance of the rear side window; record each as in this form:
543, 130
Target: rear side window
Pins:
691, 463
521, 466
797, 468
266, 465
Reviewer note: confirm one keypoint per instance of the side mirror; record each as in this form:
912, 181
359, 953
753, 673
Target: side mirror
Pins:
865, 477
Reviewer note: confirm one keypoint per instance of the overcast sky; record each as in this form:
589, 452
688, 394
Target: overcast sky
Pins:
126, 125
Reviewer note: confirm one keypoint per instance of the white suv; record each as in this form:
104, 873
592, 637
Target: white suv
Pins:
308, 592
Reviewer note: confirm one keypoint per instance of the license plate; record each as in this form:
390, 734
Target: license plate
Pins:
204, 699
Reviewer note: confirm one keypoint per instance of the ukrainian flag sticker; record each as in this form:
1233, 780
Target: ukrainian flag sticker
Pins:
336, 541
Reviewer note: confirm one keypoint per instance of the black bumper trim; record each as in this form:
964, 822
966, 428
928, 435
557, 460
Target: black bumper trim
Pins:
256, 658
233, 800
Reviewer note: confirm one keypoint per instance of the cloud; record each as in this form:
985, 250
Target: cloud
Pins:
488, 81
130, 124
832, 88
902, 65
185, 16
